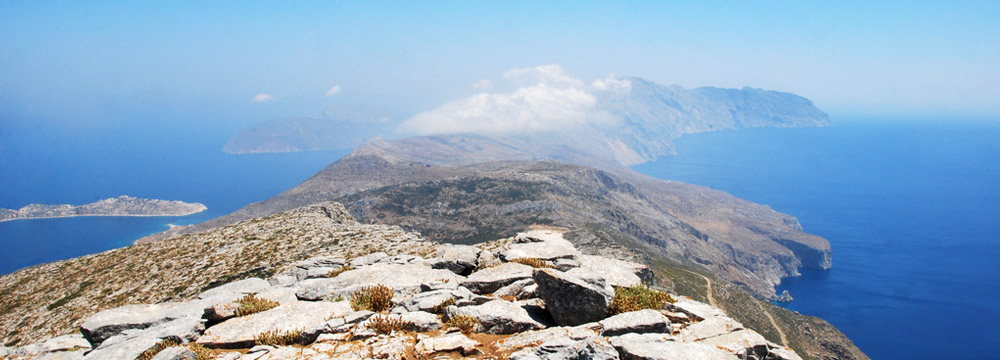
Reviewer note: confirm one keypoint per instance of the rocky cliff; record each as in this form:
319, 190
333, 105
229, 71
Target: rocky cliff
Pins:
117, 206
314, 284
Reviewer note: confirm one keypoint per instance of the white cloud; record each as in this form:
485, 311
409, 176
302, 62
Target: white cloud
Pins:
484, 84
550, 100
333, 91
263, 97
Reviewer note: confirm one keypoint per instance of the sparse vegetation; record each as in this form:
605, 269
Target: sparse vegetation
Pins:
462, 322
376, 298
151, 352
278, 337
533, 262
201, 352
439, 308
338, 271
384, 324
638, 297
251, 304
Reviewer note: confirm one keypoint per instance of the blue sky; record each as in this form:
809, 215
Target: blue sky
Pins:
89, 60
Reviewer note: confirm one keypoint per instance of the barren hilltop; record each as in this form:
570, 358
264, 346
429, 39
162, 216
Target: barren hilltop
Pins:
117, 206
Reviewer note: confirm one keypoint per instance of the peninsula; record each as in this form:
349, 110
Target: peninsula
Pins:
117, 206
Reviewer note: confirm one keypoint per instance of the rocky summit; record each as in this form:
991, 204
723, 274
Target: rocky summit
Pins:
531, 296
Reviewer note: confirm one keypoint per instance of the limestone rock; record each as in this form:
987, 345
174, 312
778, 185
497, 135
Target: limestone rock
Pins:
750, 344
240, 332
69, 342
710, 327
594, 348
341, 324
540, 244
370, 259
302, 268
497, 317
126, 349
237, 288
220, 312
520, 289
637, 322
420, 321
491, 279
533, 338
111, 322
661, 347
615, 272
450, 342
460, 259
62, 355
572, 300
405, 279
696, 310
176, 353
486, 259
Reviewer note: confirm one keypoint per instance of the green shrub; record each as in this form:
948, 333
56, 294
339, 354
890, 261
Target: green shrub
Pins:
376, 298
638, 297
251, 304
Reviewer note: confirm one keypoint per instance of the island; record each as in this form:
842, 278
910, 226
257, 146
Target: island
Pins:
117, 206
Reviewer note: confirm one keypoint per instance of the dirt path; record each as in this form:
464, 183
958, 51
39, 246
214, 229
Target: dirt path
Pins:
784, 339
708, 292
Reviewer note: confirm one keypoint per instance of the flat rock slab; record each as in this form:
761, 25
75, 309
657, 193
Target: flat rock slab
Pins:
69, 342
449, 342
130, 349
237, 288
497, 317
700, 310
637, 322
592, 348
534, 338
662, 347
572, 300
615, 272
240, 332
540, 244
176, 353
404, 279
708, 328
491, 279
460, 259
111, 322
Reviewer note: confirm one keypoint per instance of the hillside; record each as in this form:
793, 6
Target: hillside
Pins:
304, 254
340, 127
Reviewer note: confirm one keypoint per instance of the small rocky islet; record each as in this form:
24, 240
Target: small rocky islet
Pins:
531, 296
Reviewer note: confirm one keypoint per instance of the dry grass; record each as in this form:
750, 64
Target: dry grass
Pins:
638, 297
333, 273
201, 352
439, 308
376, 298
384, 324
155, 349
533, 262
251, 304
278, 338
462, 322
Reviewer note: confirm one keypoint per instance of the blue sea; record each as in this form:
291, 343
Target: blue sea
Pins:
55, 167
910, 207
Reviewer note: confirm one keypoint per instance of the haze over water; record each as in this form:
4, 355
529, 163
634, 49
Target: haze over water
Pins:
910, 207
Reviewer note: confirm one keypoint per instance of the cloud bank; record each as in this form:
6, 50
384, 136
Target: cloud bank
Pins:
548, 100
262, 97
333, 91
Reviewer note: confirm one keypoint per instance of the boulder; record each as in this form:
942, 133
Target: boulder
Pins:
517, 289
240, 332
220, 312
404, 279
615, 272
491, 279
427, 346
420, 321
572, 300
540, 244
695, 310
176, 353
637, 322
594, 348
661, 347
750, 344
497, 317
335, 325
459, 259
486, 259
710, 327
282, 280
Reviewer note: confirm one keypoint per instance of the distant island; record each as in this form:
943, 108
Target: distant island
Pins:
117, 206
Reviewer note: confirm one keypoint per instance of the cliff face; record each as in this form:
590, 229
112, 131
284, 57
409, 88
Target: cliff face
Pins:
308, 291
118, 206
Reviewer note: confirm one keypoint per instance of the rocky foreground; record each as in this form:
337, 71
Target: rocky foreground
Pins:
532, 296
117, 206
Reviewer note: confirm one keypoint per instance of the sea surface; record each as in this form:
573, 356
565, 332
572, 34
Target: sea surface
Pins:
910, 207
53, 168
